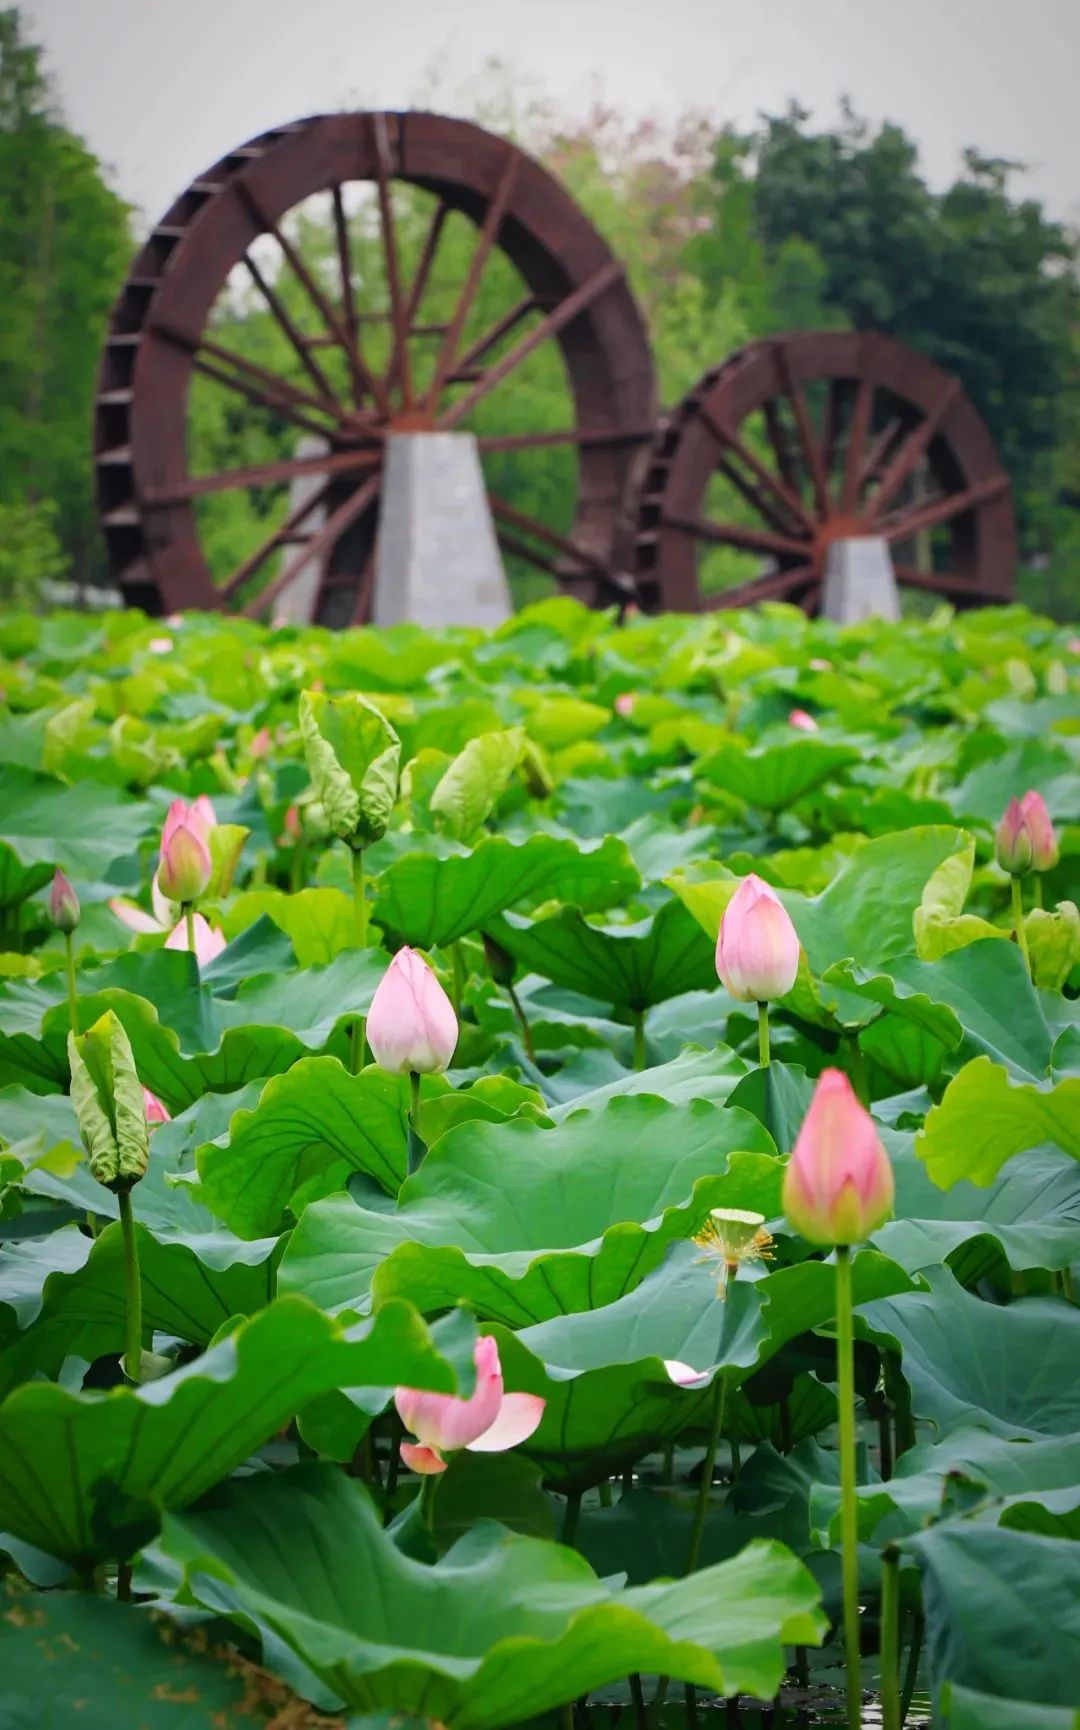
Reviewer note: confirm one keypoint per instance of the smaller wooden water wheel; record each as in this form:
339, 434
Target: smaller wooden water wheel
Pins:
388, 273
797, 441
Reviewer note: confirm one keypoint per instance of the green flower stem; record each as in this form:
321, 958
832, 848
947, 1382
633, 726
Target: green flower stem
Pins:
1018, 920
133, 1285
571, 1516
763, 1034
641, 1058
1037, 890
603, 1490
890, 1639
189, 924
641, 1717
72, 993
358, 1045
123, 1582
716, 1424
849, 1515
360, 907
460, 977
417, 1149
911, 1675
523, 1022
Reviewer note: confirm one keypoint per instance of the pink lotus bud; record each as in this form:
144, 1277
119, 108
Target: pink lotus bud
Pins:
184, 870
155, 1111
838, 1185
820, 665
1014, 844
293, 828
488, 1422
174, 621
209, 941
412, 1028
160, 645
200, 817
260, 744
624, 703
802, 721
757, 951
1044, 842
63, 904
1073, 645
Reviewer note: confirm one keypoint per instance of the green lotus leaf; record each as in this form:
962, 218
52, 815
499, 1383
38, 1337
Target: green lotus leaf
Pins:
986, 1118
353, 756
631, 966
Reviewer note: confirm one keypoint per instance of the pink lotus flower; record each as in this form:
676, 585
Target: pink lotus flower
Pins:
802, 721
411, 1028
154, 924
174, 621
200, 817
260, 744
209, 940
1045, 851
185, 866
292, 827
488, 1422
160, 645
838, 1185
820, 665
684, 1375
1014, 844
155, 1111
757, 951
64, 907
624, 703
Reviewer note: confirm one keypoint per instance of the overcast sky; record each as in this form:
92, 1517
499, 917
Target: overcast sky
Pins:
161, 88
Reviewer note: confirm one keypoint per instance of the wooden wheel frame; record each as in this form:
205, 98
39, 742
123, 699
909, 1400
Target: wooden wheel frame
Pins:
160, 335
896, 450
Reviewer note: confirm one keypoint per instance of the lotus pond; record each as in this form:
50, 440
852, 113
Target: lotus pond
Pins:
250, 1276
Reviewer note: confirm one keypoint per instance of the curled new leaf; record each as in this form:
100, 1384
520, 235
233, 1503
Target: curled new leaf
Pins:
353, 755
107, 1097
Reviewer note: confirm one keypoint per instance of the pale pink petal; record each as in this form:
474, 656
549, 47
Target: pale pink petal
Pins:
519, 1415
426, 1462
134, 917
445, 1422
156, 1112
684, 1375
411, 1027
160, 645
209, 941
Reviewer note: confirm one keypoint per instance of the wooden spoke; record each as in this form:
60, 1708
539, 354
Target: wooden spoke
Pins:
811, 450
779, 489
497, 331
258, 558
903, 463
861, 416
419, 284
275, 400
778, 438
295, 338
262, 474
766, 511
515, 519
584, 437
270, 381
319, 544
771, 587
938, 582
399, 362
571, 307
930, 516
489, 233
348, 300
879, 450
831, 423
735, 535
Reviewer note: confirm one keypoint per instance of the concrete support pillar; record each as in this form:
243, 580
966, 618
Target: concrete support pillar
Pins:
438, 561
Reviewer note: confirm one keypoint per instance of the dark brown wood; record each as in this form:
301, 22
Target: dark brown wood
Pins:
906, 459
929, 516
860, 426
300, 345
509, 514
497, 331
489, 233
811, 453
276, 401
262, 474
737, 535
255, 561
317, 547
778, 487
775, 586
348, 299
549, 326
583, 437
399, 363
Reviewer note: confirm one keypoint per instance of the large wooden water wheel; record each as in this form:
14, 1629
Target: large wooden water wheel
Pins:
366, 337
797, 441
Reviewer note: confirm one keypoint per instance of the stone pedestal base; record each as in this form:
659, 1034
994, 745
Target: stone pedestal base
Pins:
860, 582
438, 560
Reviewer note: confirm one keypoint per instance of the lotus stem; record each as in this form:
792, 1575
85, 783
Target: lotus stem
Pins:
1037, 890
359, 891
911, 1674
133, 1285
417, 1149
523, 1022
890, 1639
571, 1516
641, 1058
72, 993
849, 1513
189, 927
357, 1045
641, 1717
603, 1490
763, 1034
1018, 920
461, 976
716, 1424
123, 1582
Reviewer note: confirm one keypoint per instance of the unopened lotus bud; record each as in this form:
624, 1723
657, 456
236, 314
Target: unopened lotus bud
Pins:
757, 951
185, 867
107, 1098
838, 1185
1045, 851
411, 1028
1014, 844
802, 721
64, 907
